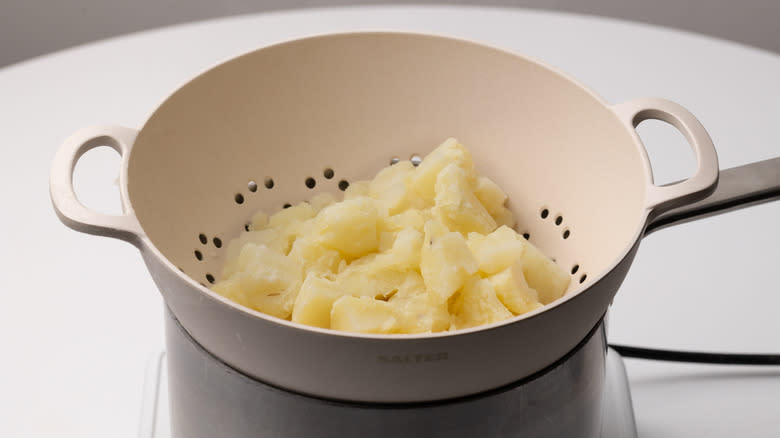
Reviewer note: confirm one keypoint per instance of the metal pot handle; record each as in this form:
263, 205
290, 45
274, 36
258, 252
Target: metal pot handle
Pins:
738, 187
663, 198
69, 209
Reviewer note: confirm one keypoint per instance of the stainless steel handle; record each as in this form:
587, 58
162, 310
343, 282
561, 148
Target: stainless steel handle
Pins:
738, 187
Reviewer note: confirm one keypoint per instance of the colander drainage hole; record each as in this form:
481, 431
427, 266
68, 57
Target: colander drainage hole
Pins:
198, 255
328, 173
210, 278
203, 239
416, 160
252, 186
574, 269
545, 213
583, 278
287, 205
343, 184
269, 183
239, 198
311, 182
394, 160
526, 236
566, 234
246, 227
558, 220
217, 242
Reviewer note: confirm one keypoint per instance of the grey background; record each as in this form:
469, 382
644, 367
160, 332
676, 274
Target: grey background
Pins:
35, 27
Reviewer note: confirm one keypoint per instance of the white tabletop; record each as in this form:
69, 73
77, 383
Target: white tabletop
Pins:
80, 315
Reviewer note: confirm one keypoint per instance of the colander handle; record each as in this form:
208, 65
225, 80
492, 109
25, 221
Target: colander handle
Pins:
69, 209
663, 198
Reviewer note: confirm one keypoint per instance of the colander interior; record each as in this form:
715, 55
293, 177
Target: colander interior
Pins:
276, 126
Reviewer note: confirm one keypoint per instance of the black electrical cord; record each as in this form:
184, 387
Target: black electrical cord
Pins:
696, 357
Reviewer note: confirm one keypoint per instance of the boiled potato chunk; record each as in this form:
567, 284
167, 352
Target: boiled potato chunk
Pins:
415, 250
543, 274
321, 200
477, 304
386, 240
231, 289
370, 278
404, 253
291, 215
513, 291
277, 232
314, 256
423, 180
456, 205
268, 238
315, 301
445, 261
259, 221
268, 280
357, 189
505, 217
389, 188
490, 195
415, 310
389, 227
349, 227
362, 315
414, 219
496, 251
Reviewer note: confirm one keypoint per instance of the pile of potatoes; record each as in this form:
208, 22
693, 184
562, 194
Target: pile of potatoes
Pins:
416, 250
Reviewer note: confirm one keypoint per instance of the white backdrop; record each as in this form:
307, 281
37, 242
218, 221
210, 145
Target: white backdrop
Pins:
35, 27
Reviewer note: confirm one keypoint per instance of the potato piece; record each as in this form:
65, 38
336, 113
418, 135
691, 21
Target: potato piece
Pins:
356, 189
414, 309
490, 195
269, 280
362, 315
496, 251
477, 304
390, 226
505, 217
386, 240
281, 229
321, 200
315, 301
543, 274
259, 221
368, 277
414, 219
513, 291
349, 227
287, 216
315, 257
421, 314
230, 288
445, 261
405, 252
456, 206
412, 286
423, 180
269, 238
389, 188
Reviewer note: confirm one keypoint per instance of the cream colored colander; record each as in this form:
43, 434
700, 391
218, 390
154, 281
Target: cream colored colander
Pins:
278, 125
